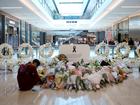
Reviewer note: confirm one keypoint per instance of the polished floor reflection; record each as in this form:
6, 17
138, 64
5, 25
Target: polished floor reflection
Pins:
126, 93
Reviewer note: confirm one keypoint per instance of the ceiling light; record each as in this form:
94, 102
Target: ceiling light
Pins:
130, 6
12, 22
70, 0
120, 13
76, 10
71, 7
11, 7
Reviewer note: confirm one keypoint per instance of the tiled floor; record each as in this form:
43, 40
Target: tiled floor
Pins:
126, 93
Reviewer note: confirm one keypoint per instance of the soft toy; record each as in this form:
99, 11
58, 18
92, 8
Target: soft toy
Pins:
58, 79
62, 57
41, 72
121, 74
50, 81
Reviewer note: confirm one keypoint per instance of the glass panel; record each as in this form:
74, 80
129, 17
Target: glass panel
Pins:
23, 31
35, 36
70, 0
69, 9
64, 9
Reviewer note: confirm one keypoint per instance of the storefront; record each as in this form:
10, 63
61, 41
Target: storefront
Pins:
12, 32
9, 30
35, 36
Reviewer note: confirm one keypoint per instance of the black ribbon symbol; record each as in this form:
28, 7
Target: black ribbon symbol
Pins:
74, 49
5, 51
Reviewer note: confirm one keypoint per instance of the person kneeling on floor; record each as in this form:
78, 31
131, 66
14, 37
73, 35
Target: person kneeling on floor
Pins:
27, 75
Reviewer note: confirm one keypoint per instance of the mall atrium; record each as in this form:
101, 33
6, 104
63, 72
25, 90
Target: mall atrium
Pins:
69, 52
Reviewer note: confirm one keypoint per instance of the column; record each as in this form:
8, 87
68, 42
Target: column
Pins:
26, 32
30, 34
2, 29
20, 32
42, 38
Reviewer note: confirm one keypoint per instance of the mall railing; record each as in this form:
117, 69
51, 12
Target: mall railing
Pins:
88, 14
97, 6
56, 15
44, 4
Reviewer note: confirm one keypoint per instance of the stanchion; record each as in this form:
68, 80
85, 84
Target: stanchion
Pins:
5, 71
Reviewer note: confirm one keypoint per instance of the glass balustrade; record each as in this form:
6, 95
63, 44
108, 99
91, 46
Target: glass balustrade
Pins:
87, 8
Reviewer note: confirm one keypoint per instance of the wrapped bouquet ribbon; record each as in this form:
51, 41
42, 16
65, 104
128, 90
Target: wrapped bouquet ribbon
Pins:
102, 44
6, 51
41, 72
119, 53
43, 53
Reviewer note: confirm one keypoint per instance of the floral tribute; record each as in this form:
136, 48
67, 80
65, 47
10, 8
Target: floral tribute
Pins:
6, 51
42, 51
119, 54
99, 46
24, 55
92, 75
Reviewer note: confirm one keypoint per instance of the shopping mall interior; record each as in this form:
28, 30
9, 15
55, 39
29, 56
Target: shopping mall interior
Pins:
69, 52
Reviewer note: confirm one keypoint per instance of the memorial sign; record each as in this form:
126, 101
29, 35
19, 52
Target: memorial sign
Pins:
76, 52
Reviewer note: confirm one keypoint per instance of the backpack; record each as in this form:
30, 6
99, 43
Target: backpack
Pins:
25, 78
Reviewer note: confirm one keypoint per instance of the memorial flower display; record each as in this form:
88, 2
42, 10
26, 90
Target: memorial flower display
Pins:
102, 46
91, 75
60, 73
42, 51
6, 51
23, 54
119, 54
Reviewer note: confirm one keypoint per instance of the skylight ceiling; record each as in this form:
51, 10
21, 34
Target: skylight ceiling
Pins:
40, 13
71, 7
